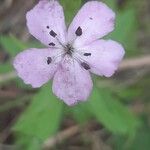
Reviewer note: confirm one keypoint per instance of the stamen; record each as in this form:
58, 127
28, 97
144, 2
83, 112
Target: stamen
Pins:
85, 66
87, 54
51, 44
82, 61
49, 60
57, 56
79, 57
52, 33
78, 31
69, 49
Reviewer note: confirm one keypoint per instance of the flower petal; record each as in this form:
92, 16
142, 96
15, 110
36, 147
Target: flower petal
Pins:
47, 16
71, 82
35, 67
95, 19
105, 56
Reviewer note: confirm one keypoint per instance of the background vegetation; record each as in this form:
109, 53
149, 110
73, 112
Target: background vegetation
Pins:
116, 116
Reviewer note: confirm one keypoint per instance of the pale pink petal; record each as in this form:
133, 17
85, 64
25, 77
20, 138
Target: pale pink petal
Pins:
95, 19
72, 83
32, 66
45, 17
105, 56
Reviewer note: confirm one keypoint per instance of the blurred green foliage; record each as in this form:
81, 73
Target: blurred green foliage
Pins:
42, 118
125, 31
70, 8
140, 142
12, 45
111, 113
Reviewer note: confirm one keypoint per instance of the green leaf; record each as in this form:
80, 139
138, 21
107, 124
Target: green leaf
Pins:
70, 8
12, 45
28, 143
6, 67
125, 30
34, 145
130, 93
81, 113
111, 113
111, 3
139, 142
42, 118
142, 140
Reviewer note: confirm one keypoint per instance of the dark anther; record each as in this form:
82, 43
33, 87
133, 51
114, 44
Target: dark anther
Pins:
47, 27
79, 31
91, 18
52, 33
85, 66
51, 44
87, 54
49, 60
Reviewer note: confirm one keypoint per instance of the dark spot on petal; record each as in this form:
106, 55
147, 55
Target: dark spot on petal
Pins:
49, 60
91, 18
85, 66
52, 33
47, 27
78, 31
87, 54
51, 44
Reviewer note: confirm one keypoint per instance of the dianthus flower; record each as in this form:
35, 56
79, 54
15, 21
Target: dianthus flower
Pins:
71, 54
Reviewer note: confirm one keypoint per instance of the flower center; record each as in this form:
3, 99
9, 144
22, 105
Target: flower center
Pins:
69, 49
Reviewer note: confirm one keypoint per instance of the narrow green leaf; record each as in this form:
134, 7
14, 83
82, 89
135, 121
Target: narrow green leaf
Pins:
139, 142
25, 142
42, 118
6, 67
111, 113
81, 113
111, 4
70, 8
125, 30
12, 45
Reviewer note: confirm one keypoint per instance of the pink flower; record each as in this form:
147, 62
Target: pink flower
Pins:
71, 54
